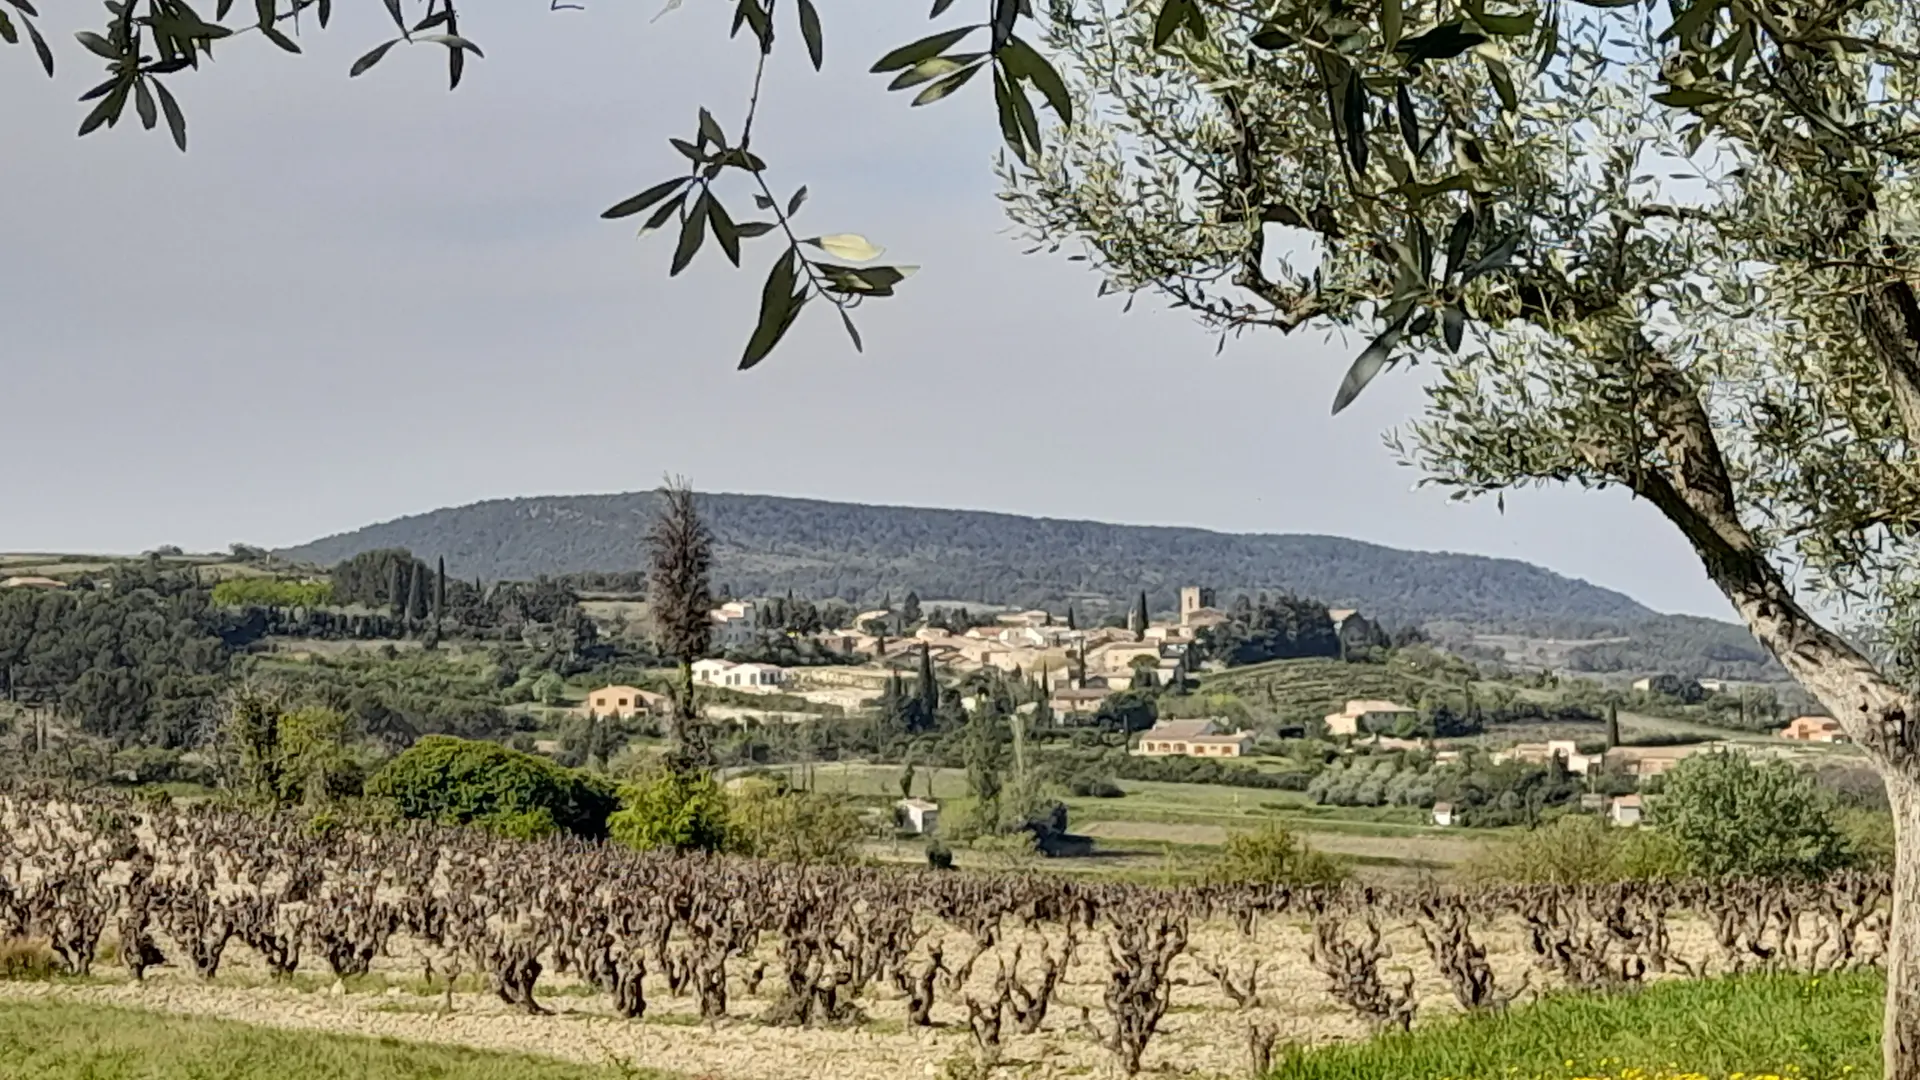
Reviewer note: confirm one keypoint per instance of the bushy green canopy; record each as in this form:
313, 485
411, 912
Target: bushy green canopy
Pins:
462, 781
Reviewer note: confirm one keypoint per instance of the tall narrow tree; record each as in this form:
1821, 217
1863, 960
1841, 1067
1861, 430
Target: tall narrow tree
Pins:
680, 551
439, 595
929, 687
1137, 619
416, 596
396, 589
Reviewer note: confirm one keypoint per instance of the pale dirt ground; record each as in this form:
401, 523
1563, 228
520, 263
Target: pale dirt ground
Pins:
1201, 1036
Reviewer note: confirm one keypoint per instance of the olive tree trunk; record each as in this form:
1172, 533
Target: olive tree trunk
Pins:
1685, 476
1900, 1047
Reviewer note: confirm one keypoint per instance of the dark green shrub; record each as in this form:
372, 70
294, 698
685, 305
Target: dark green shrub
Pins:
458, 781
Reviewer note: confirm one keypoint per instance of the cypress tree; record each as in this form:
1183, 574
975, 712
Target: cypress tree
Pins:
1613, 726
439, 595
929, 688
416, 595
1070, 622
1139, 618
396, 590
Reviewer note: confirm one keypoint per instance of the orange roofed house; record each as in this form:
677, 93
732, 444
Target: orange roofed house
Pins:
624, 701
1814, 729
1193, 738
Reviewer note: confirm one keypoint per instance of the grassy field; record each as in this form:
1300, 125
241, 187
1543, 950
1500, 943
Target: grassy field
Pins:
1155, 822
75, 1041
1759, 1027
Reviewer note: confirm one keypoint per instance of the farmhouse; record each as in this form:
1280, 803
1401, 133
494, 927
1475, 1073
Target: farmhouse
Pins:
1626, 810
625, 701
1566, 750
1193, 738
1373, 715
733, 624
1069, 701
1644, 761
1823, 729
1443, 813
738, 676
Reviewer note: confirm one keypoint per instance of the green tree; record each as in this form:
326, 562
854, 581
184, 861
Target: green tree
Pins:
1732, 815
1272, 855
1138, 619
439, 595
1577, 849
928, 685
549, 689
910, 613
462, 781
765, 821
680, 551
673, 809
985, 754
1613, 725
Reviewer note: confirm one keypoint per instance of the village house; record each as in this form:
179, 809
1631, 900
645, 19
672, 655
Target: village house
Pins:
1443, 813
1117, 658
1823, 729
1566, 750
625, 701
1072, 701
1645, 761
1625, 810
733, 624
1193, 738
738, 676
1372, 715
917, 816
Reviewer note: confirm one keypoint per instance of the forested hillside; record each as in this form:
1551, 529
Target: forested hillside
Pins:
861, 553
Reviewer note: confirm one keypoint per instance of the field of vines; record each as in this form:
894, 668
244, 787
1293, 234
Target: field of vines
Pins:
872, 972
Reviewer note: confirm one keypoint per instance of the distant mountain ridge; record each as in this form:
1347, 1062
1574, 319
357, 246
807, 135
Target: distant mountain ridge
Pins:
769, 544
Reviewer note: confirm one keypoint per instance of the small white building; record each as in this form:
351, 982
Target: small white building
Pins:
1625, 810
917, 816
734, 624
1443, 813
738, 676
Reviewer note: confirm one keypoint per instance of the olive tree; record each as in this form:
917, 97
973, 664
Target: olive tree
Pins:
1668, 248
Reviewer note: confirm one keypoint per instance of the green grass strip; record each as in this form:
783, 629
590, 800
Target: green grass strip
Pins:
1786, 1027
78, 1041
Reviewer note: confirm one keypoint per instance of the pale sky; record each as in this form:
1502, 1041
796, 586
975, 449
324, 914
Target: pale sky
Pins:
358, 299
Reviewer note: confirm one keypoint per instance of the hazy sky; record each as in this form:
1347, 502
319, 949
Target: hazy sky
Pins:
357, 299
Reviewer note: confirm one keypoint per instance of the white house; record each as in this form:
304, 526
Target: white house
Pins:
737, 676
1626, 810
917, 816
734, 624
1443, 813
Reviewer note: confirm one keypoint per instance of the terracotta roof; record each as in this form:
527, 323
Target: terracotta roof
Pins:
1180, 729
1221, 740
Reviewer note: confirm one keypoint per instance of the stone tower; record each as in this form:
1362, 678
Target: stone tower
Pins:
1192, 599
